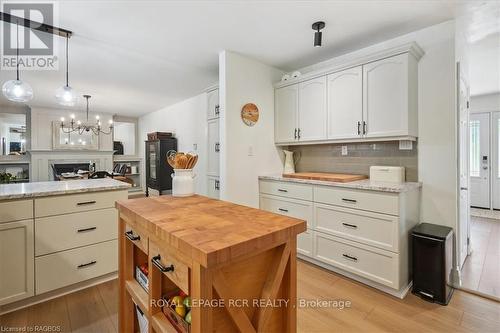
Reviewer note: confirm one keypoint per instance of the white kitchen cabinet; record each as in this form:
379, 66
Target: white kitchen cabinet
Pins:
16, 261
213, 188
345, 104
213, 147
213, 104
312, 111
390, 97
286, 109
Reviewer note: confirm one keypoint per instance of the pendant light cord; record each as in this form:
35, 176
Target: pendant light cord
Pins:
67, 62
17, 50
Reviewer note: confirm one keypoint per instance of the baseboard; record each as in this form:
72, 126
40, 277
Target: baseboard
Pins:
56, 293
401, 293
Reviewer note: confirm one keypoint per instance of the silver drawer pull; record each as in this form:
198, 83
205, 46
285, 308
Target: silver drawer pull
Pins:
93, 262
347, 225
282, 190
283, 210
130, 235
349, 257
86, 203
349, 200
86, 229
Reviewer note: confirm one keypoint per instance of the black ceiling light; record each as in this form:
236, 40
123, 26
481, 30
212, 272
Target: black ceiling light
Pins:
317, 26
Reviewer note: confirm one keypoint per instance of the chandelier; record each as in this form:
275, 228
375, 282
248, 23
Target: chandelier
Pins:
80, 127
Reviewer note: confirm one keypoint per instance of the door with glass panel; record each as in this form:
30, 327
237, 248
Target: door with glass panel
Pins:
495, 118
480, 160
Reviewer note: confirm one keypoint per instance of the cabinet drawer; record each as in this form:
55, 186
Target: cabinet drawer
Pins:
72, 266
75, 203
63, 232
374, 229
285, 189
376, 265
169, 259
294, 208
305, 243
137, 238
16, 210
386, 203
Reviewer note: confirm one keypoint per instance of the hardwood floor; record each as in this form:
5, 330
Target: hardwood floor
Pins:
95, 309
481, 270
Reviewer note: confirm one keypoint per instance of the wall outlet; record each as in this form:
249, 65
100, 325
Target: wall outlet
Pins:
250, 150
405, 145
344, 150
195, 146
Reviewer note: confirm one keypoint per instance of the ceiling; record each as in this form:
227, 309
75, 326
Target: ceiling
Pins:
136, 57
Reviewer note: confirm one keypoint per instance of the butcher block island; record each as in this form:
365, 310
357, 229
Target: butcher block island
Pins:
236, 264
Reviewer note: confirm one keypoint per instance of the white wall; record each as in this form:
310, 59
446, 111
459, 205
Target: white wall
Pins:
485, 103
244, 80
125, 133
188, 119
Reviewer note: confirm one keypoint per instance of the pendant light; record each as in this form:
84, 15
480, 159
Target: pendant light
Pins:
66, 95
17, 90
317, 35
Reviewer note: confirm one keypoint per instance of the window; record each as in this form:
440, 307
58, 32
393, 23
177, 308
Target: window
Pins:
475, 148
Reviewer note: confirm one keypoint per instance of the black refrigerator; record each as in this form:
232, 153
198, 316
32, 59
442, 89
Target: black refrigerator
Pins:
158, 171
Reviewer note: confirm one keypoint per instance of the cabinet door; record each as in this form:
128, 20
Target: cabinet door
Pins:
213, 104
16, 261
385, 97
345, 103
213, 189
312, 109
286, 104
213, 148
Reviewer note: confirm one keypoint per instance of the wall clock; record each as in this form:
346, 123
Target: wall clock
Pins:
250, 114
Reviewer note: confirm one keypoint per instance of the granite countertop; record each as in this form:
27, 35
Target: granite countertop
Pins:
365, 184
44, 189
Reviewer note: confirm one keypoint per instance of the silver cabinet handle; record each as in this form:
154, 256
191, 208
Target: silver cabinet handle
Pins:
349, 257
359, 129
364, 127
156, 261
298, 134
86, 229
295, 134
347, 225
130, 235
93, 262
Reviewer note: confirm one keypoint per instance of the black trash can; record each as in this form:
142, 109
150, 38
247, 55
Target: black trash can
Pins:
432, 262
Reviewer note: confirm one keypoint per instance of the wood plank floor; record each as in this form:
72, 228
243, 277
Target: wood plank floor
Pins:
95, 309
481, 270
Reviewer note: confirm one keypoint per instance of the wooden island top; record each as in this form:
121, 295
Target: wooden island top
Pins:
210, 231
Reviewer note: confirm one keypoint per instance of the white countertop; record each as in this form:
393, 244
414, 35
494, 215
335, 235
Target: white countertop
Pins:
365, 184
44, 189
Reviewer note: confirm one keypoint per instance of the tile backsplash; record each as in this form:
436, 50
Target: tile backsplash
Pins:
359, 158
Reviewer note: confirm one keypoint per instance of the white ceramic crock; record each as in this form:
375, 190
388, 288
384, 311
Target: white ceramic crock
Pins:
183, 182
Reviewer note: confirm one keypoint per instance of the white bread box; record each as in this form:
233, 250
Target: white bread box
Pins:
393, 174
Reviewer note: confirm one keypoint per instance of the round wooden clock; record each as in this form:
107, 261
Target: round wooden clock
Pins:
250, 114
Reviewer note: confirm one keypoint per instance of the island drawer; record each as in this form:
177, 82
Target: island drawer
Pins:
286, 189
137, 238
290, 207
170, 264
75, 203
376, 265
380, 202
63, 232
16, 210
61, 269
379, 230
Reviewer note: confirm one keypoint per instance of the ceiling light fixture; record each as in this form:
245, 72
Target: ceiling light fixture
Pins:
80, 127
317, 26
17, 90
66, 95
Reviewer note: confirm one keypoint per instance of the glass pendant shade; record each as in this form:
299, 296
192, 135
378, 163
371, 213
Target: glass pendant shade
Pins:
66, 96
17, 91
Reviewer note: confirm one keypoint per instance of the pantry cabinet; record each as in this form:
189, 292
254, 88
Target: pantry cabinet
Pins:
213, 147
16, 261
311, 123
213, 104
345, 107
390, 97
286, 108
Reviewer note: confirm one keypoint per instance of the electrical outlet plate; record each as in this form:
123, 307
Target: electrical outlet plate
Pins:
344, 150
405, 145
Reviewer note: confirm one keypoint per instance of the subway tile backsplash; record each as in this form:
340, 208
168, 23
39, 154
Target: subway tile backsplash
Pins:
359, 158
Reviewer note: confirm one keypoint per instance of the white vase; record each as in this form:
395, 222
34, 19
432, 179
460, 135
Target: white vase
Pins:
290, 161
183, 182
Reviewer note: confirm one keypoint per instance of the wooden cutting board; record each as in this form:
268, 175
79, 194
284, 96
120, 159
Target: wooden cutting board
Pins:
331, 177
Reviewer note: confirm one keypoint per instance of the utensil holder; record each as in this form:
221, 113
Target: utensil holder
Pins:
183, 182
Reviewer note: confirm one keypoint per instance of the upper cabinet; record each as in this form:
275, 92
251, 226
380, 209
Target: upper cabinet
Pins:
373, 100
390, 97
312, 110
286, 101
213, 104
345, 105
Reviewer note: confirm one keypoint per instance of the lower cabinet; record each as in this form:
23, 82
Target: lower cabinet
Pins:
305, 243
16, 261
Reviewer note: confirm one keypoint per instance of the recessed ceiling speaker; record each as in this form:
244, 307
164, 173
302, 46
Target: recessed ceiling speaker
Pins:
317, 26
